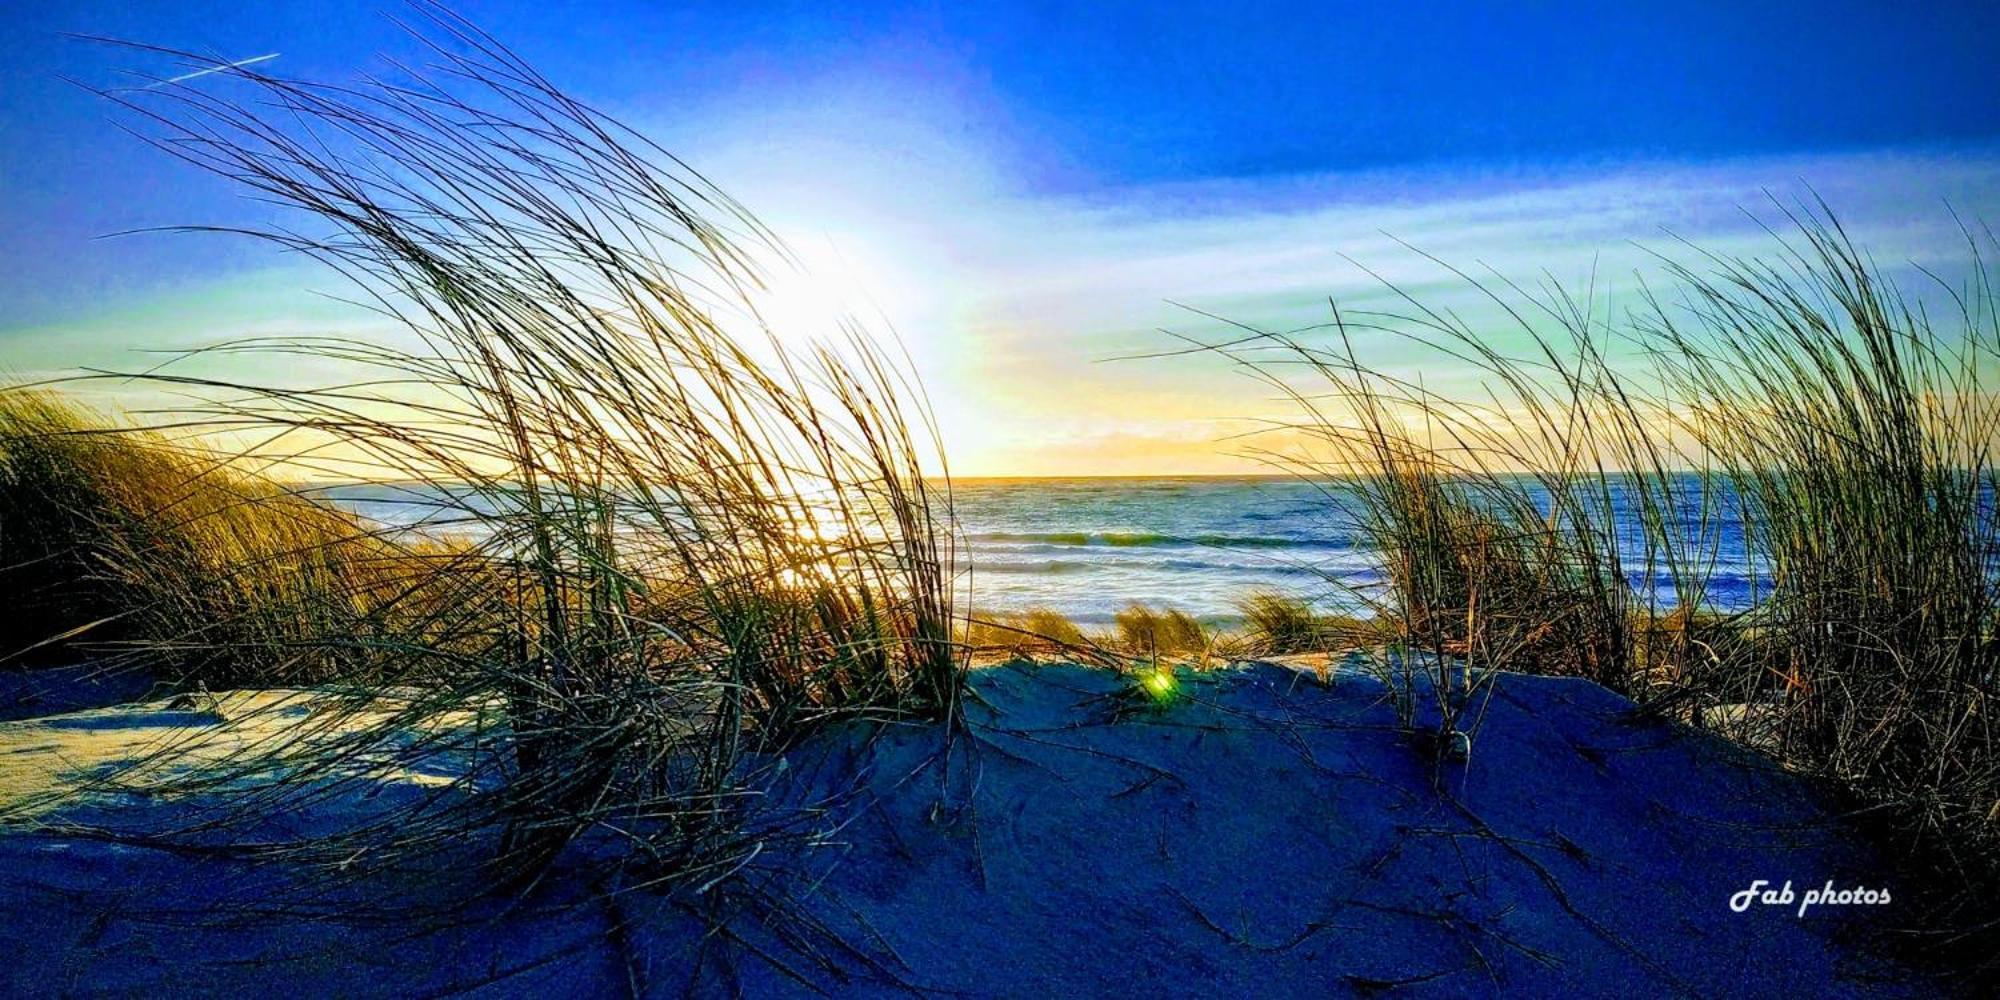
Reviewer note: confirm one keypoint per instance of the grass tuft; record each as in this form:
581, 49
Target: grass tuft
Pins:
117, 544
1564, 515
682, 536
1145, 632
1280, 623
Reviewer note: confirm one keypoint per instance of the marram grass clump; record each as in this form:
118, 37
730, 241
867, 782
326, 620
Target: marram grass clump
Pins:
121, 545
1143, 631
683, 537
1564, 516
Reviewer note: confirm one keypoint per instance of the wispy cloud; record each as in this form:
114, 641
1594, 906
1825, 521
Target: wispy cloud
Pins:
218, 68
1013, 300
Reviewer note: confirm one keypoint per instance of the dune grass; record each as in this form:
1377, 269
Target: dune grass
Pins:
120, 545
1858, 428
1036, 632
1564, 518
1277, 623
1272, 624
1172, 632
682, 537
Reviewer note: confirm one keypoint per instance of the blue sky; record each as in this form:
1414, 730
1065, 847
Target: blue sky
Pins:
1021, 187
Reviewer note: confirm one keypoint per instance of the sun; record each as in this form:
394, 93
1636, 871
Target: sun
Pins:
816, 296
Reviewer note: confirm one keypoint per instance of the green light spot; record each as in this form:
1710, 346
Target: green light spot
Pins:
1159, 683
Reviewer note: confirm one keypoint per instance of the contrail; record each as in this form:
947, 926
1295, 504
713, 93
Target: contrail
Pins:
184, 77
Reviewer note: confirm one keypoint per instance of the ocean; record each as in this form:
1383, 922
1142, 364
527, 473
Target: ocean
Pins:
1091, 547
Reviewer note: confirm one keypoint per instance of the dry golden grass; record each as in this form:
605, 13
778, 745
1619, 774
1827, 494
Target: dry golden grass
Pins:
116, 542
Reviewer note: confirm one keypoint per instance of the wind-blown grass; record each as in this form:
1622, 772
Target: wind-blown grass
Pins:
1146, 632
1568, 521
1496, 520
1859, 430
118, 545
683, 537
1281, 623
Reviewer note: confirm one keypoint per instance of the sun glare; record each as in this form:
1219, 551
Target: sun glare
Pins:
1160, 683
816, 297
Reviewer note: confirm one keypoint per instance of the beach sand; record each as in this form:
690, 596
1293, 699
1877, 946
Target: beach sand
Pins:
1250, 832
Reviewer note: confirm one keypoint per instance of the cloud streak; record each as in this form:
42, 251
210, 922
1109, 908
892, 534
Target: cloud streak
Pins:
1015, 301
218, 68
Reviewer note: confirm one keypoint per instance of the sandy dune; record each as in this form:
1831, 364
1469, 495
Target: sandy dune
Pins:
1259, 833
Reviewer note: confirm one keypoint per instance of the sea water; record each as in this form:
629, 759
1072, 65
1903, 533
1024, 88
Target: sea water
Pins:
1091, 547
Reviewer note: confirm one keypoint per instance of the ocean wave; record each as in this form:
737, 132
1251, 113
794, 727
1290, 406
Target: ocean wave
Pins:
1056, 567
1148, 539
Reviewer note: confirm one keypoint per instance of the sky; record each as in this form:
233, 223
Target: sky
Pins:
1031, 194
